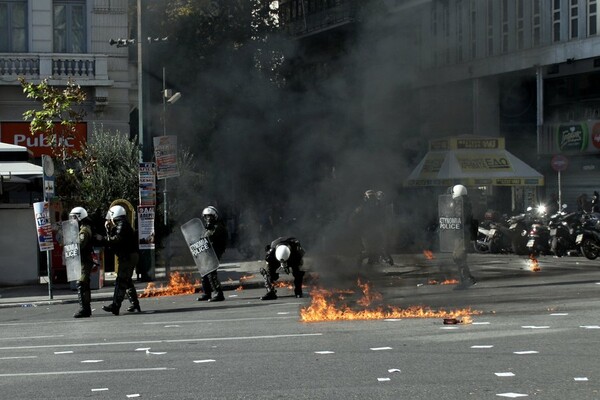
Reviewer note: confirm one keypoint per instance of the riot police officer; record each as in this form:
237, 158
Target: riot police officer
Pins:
217, 234
120, 238
86, 238
368, 221
460, 200
288, 254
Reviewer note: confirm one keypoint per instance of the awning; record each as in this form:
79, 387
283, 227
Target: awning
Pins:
20, 169
472, 161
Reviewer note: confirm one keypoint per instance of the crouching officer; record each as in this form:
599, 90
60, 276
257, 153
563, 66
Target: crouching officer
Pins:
121, 239
86, 249
288, 254
216, 232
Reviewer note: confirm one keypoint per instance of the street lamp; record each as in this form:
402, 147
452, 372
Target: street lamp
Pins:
170, 98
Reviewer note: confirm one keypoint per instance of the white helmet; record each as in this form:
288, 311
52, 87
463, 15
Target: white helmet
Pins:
282, 253
78, 213
116, 211
458, 190
210, 210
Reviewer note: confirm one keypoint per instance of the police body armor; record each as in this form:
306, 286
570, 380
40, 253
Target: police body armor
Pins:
71, 249
200, 246
451, 222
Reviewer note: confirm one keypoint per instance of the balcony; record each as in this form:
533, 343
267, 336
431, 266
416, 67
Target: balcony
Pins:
84, 69
316, 21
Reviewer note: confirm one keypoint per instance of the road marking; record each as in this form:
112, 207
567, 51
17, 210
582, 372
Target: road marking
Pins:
535, 327
380, 348
99, 390
383, 379
202, 321
92, 361
504, 374
97, 371
133, 395
394, 370
64, 352
325, 352
300, 335
590, 326
483, 346
581, 379
16, 357
203, 361
525, 352
480, 323
512, 395
32, 337
559, 314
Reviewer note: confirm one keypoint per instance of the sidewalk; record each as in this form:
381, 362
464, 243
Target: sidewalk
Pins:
39, 295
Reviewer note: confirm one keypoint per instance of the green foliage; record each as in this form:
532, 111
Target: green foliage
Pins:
57, 105
109, 168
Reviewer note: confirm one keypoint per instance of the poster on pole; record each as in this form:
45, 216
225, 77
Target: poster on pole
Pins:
165, 152
147, 184
44, 226
146, 227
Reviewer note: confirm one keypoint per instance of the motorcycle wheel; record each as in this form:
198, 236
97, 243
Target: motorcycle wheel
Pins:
588, 249
480, 247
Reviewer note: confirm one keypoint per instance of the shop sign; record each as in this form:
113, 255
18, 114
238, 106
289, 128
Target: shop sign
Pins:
572, 137
18, 133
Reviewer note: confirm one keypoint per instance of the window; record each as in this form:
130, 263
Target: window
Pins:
69, 26
592, 17
555, 20
574, 20
490, 27
473, 27
536, 23
504, 26
13, 26
520, 25
459, 32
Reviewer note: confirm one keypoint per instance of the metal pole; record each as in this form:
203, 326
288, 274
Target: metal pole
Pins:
559, 192
140, 79
165, 211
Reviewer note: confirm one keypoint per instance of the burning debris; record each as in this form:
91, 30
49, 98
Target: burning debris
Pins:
444, 282
179, 284
428, 254
331, 306
534, 265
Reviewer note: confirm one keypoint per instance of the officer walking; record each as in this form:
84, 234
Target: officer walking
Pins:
462, 206
217, 234
120, 238
288, 254
86, 238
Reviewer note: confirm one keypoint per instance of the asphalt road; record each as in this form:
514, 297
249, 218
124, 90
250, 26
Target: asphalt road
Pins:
537, 336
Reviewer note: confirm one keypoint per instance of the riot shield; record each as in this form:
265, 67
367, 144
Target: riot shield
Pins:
201, 248
71, 250
451, 223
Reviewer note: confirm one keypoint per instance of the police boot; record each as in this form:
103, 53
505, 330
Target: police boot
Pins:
271, 292
133, 299
84, 297
217, 291
298, 284
205, 288
118, 297
466, 279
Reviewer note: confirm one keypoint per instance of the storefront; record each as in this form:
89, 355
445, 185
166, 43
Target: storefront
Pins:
482, 164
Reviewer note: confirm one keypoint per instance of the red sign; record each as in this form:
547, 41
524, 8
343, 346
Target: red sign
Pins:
596, 136
18, 133
559, 162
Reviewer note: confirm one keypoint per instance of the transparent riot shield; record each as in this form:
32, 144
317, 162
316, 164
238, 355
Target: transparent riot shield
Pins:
451, 223
201, 248
71, 250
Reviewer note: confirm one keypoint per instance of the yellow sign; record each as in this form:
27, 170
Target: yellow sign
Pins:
483, 162
432, 165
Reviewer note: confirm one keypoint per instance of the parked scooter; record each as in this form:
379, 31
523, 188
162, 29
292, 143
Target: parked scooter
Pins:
519, 226
588, 239
538, 239
564, 228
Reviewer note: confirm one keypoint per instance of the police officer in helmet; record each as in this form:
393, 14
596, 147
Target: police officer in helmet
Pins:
286, 253
217, 234
86, 239
121, 239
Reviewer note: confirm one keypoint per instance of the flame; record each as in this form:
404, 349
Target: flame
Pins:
534, 265
428, 254
330, 306
245, 278
444, 282
178, 284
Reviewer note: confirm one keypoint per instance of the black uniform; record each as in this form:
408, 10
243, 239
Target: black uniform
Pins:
294, 262
87, 263
122, 241
217, 234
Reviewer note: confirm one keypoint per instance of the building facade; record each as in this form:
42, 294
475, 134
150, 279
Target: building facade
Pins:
525, 70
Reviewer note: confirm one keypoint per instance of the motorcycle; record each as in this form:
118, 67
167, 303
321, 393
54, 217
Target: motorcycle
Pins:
493, 237
588, 239
518, 226
563, 231
538, 238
